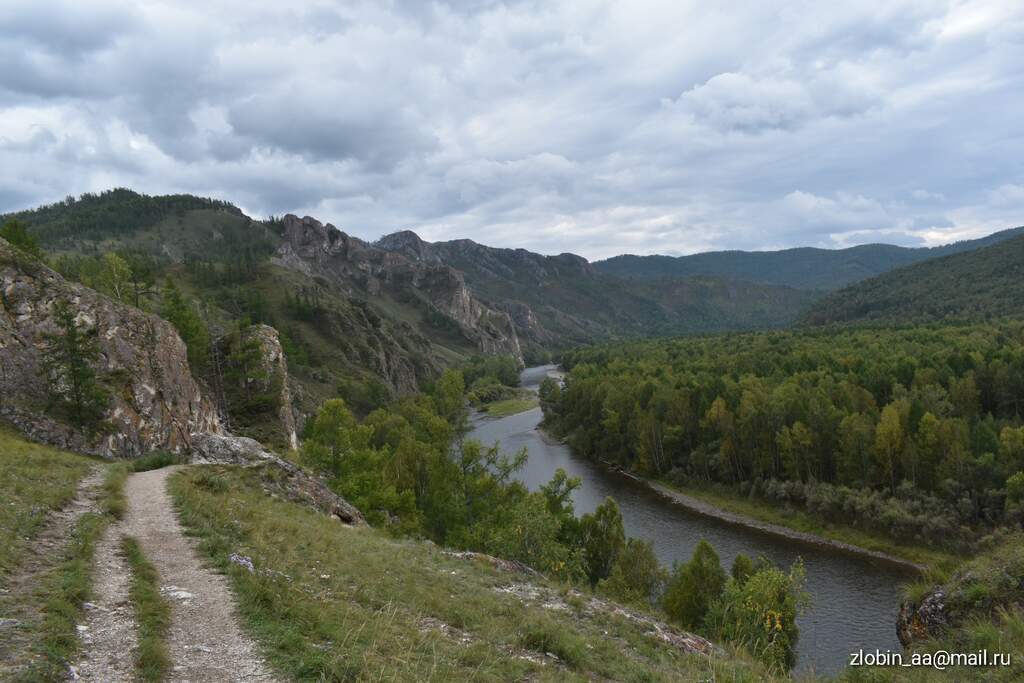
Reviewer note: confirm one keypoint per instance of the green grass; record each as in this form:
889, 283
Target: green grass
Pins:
34, 480
332, 603
739, 504
152, 612
66, 587
510, 406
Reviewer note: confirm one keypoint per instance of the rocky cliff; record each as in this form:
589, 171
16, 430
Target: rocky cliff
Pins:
258, 387
315, 249
154, 401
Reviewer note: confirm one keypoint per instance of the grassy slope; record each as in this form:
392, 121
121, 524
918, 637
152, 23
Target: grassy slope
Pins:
328, 602
34, 480
801, 521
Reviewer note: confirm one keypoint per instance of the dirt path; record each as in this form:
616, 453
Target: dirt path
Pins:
110, 637
19, 610
205, 642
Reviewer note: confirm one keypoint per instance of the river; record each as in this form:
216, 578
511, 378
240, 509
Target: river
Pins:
854, 600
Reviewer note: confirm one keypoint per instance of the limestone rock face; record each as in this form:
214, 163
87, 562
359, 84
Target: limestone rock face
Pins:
295, 484
154, 401
322, 250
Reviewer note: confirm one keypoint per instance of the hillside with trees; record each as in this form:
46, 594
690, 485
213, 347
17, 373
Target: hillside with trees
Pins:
561, 301
803, 268
978, 285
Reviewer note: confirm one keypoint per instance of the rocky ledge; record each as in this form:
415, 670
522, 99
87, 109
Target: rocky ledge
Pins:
285, 479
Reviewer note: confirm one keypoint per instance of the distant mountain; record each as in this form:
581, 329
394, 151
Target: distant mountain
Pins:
560, 301
975, 285
803, 268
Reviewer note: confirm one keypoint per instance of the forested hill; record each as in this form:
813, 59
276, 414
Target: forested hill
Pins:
803, 268
976, 285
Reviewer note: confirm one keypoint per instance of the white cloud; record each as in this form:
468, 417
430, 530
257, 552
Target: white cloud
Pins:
590, 126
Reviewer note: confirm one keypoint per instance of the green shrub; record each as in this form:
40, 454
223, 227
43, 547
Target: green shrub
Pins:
155, 461
694, 586
760, 614
636, 576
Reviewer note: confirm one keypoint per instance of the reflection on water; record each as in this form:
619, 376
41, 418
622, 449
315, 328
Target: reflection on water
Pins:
853, 600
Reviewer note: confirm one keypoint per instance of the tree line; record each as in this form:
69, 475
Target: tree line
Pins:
914, 431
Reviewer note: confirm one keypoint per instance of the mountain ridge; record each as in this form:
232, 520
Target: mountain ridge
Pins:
967, 286
830, 269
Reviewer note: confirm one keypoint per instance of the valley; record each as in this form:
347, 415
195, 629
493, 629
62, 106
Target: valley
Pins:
349, 420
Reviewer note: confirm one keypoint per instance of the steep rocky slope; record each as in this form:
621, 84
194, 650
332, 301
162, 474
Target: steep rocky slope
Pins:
352, 318
322, 250
154, 401
254, 387
560, 301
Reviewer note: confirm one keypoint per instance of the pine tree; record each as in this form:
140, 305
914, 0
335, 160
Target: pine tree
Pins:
67, 362
180, 312
16, 233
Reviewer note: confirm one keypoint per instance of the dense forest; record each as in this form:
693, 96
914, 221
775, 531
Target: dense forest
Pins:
914, 432
977, 285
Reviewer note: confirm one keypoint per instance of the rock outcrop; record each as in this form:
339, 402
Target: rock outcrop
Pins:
262, 373
924, 620
315, 249
154, 401
285, 478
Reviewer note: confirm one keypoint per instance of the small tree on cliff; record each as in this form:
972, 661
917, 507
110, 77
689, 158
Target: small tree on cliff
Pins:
180, 312
67, 362
16, 233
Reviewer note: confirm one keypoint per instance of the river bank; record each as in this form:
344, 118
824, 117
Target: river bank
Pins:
854, 598
705, 508
915, 560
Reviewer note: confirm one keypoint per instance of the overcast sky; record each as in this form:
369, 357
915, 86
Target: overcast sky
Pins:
592, 127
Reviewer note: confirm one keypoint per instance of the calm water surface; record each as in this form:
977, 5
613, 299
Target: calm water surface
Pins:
854, 600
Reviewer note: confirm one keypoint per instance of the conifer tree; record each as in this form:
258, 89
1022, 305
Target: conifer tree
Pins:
67, 362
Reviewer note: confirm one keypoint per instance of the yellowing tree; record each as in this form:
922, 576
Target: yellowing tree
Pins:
890, 440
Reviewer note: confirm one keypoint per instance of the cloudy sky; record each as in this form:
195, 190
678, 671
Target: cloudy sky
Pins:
594, 127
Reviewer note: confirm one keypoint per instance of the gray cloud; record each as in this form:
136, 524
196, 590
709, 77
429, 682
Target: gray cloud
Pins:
589, 126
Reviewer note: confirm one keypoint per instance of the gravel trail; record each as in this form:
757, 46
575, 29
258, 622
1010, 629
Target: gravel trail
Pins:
205, 642
109, 636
